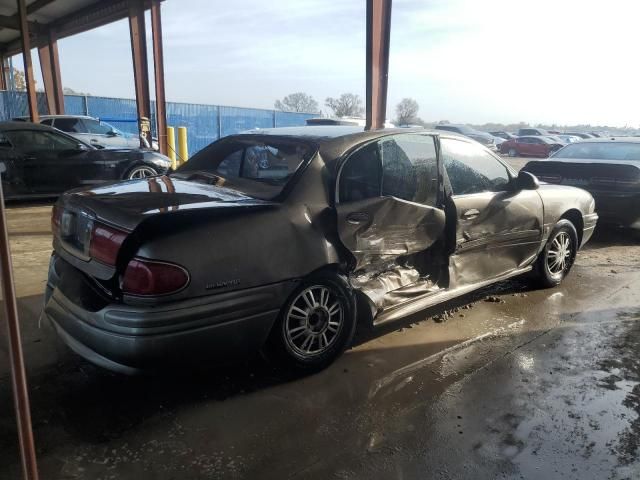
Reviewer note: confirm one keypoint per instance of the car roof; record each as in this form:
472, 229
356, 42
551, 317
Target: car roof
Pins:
333, 141
13, 125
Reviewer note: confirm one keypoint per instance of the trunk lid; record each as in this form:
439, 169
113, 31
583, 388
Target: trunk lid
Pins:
589, 174
124, 206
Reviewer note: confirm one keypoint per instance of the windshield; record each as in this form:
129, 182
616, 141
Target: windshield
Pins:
258, 166
601, 151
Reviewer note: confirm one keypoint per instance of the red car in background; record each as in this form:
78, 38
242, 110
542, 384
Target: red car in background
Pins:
530, 146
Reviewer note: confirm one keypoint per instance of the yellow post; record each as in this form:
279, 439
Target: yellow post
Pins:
171, 146
183, 151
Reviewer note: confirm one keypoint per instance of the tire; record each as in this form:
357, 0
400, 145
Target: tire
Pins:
141, 171
563, 242
315, 326
513, 152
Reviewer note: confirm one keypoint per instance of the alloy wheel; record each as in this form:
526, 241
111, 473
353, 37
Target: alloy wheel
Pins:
559, 255
142, 172
314, 321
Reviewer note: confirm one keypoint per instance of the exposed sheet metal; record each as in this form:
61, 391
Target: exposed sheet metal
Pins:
383, 228
381, 233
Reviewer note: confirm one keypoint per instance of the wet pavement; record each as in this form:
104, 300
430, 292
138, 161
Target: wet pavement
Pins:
510, 382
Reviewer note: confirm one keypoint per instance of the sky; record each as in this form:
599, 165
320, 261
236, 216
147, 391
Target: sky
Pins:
467, 61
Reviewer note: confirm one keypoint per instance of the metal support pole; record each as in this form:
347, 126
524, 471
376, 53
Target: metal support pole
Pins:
158, 70
137, 30
18, 373
378, 33
3, 77
50, 67
28, 67
219, 122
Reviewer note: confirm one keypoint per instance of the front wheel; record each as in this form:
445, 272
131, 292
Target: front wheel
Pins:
315, 325
559, 253
141, 171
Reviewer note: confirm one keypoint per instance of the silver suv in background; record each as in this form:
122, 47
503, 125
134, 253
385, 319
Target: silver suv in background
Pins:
90, 130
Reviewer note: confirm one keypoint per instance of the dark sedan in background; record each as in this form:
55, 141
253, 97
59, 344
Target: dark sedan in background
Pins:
483, 138
284, 238
41, 161
608, 168
531, 146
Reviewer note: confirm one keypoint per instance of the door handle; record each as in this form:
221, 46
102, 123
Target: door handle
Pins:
356, 218
471, 213
30, 157
94, 140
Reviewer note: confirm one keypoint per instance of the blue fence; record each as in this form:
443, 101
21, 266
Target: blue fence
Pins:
205, 123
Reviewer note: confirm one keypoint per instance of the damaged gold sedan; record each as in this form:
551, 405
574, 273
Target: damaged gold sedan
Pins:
284, 239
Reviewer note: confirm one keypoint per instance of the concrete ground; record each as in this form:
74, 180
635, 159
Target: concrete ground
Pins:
510, 382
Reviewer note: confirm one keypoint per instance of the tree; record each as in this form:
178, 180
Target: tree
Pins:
407, 111
297, 102
19, 80
347, 105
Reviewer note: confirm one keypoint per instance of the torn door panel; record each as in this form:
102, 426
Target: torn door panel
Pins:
380, 229
381, 234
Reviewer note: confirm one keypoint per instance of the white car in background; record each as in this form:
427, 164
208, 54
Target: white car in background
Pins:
90, 130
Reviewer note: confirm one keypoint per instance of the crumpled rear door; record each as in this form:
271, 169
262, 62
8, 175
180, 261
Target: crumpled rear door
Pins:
381, 229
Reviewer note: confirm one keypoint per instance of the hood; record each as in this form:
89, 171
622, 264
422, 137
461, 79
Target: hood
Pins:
126, 204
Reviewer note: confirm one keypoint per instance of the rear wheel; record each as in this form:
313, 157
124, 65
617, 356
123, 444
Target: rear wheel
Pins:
513, 152
557, 257
141, 171
315, 326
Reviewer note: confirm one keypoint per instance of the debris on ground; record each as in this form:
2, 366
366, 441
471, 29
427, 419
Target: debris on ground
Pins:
494, 299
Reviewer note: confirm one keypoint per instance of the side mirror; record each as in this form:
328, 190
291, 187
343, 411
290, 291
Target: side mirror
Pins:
82, 147
112, 133
527, 181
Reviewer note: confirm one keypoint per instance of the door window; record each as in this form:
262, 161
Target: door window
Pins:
33, 140
471, 169
71, 125
361, 175
97, 128
410, 168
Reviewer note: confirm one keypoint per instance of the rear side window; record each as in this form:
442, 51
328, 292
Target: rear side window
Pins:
361, 175
71, 125
410, 168
96, 127
471, 169
47, 121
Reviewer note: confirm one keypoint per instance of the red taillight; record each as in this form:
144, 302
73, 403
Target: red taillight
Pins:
105, 243
148, 278
613, 182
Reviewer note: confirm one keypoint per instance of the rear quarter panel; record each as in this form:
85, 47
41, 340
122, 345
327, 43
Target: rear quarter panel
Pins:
237, 249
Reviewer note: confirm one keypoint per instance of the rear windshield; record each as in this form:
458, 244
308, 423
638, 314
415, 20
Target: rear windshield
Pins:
601, 151
258, 166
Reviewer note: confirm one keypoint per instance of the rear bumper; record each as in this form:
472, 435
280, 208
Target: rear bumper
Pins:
131, 339
620, 208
